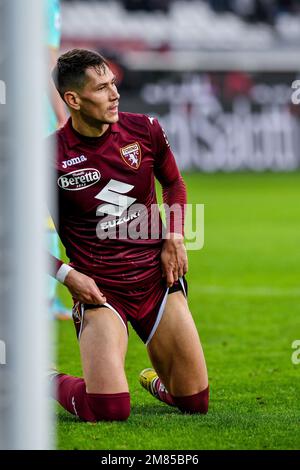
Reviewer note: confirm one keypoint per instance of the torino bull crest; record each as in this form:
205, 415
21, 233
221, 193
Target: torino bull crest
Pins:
131, 155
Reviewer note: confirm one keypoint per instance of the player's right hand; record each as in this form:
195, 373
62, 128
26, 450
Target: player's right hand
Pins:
83, 288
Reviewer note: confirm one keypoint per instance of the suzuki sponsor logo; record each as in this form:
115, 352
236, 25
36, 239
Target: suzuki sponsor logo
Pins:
114, 194
122, 220
74, 161
79, 179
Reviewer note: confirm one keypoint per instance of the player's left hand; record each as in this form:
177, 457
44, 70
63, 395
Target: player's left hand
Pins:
174, 258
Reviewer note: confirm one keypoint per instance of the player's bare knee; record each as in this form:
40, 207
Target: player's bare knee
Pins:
110, 407
197, 403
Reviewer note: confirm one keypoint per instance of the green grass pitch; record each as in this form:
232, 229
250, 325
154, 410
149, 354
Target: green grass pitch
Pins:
244, 294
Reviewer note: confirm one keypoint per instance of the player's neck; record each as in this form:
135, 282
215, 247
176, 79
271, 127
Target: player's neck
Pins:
88, 129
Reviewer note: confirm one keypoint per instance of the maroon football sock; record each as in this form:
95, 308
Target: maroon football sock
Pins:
110, 406
71, 394
197, 403
162, 392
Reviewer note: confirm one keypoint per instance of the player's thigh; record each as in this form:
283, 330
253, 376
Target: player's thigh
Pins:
103, 346
175, 349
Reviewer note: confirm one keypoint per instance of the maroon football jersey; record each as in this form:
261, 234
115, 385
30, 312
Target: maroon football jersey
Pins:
106, 191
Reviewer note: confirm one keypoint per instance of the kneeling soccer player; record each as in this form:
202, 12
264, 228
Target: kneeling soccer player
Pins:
104, 173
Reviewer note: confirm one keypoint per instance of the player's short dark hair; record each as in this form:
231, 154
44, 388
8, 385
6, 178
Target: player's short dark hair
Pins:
69, 72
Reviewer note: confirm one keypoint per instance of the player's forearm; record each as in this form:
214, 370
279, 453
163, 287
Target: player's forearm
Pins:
81, 287
58, 269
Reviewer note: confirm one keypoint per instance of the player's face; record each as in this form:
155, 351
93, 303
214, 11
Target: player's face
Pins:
99, 99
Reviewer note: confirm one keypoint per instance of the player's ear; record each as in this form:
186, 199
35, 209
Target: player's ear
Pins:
72, 100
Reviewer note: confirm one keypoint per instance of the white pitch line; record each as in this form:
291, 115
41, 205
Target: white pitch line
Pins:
263, 291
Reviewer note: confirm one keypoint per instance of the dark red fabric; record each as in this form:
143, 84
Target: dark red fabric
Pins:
174, 195
72, 396
163, 393
197, 403
167, 173
94, 178
110, 407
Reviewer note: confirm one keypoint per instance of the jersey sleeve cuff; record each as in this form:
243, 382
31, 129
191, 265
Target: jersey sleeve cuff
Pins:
63, 272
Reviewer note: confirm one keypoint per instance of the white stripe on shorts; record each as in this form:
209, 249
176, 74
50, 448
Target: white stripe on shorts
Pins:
161, 311
106, 305
158, 318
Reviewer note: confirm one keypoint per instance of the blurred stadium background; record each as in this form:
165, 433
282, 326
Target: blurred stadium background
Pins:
217, 73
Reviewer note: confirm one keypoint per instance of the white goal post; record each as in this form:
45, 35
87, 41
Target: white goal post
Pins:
25, 420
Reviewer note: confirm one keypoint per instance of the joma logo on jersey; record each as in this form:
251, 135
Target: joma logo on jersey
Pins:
79, 179
132, 155
74, 161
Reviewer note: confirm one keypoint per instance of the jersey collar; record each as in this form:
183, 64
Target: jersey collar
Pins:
73, 139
